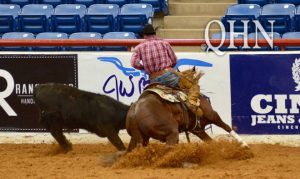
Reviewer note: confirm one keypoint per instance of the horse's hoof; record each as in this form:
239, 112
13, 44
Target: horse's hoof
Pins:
245, 145
189, 165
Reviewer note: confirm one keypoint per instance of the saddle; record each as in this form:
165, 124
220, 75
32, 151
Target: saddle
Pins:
172, 95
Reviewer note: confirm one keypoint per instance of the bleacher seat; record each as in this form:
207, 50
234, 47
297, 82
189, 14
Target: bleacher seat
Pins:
218, 36
17, 35
87, 3
259, 2
241, 12
133, 17
291, 35
102, 18
52, 36
54, 3
8, 17
259, 35
118, 2
295, 2
118, 35
35, 18
20, 2
85, 35
68, 18
297, 19
282, 14
158, 5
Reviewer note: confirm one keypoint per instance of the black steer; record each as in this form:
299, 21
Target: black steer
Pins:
65, 107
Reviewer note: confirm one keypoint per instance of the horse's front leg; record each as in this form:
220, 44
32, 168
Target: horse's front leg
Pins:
202, 135
214, 118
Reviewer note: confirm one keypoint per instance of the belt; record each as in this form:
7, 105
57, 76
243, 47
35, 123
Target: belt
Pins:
158, 73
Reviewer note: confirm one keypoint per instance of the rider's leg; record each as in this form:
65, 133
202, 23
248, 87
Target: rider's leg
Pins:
169, 79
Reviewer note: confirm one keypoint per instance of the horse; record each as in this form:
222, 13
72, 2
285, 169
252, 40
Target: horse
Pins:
153, 117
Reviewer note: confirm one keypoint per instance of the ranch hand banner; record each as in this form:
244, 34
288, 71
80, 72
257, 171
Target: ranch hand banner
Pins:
265, 93
19, 74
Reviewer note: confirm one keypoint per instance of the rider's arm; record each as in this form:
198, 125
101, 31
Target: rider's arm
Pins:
171, 54
136, 59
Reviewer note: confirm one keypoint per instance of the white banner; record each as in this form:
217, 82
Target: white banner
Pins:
111, 74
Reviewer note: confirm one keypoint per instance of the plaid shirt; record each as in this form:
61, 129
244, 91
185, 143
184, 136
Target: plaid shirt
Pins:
153, 55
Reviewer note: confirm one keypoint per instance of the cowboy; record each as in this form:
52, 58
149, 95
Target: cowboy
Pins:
156, 57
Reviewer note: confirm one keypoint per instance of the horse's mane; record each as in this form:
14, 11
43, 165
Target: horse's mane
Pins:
189, 78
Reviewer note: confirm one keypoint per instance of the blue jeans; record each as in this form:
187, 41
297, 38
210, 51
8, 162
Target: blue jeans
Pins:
169, 79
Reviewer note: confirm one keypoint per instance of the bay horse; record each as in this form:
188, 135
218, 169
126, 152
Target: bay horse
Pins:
153, 117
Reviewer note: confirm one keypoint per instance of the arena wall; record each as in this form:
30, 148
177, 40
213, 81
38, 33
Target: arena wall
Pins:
256, 93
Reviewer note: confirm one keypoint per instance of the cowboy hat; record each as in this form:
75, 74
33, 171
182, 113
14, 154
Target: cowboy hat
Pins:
148, 30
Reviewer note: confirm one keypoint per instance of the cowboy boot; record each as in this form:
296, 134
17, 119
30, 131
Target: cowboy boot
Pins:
193, 95
194, 109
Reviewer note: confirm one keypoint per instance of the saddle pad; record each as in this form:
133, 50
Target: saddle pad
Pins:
175, 97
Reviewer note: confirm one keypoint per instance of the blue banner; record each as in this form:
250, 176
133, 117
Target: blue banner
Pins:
265, 93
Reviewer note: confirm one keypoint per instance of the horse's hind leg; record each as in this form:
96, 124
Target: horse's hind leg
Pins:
136, 139
173, 137
136, 136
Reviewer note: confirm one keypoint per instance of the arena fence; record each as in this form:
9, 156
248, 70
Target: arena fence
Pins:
133, 42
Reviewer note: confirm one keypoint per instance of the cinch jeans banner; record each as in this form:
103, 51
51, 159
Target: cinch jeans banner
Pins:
265, 93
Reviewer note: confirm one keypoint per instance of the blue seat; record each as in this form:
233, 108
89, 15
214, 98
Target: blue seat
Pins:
87, 3
218, 36
68, 18
102, 18
133, 17
295, 2
259, 35
259, 2
118, 2
35, 18
118, 35
85, 35
241, 12
291, 35
52, 36
8, 17
54, 3
17, 35
297, 19
158, 5
282, 14
20, 2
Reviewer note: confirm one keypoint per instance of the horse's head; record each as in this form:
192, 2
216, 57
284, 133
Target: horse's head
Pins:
189, 78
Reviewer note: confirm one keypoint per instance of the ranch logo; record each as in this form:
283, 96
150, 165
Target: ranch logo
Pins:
296, 73
19, 75
7, 92
119, 89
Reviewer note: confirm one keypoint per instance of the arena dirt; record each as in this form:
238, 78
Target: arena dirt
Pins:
216, 160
